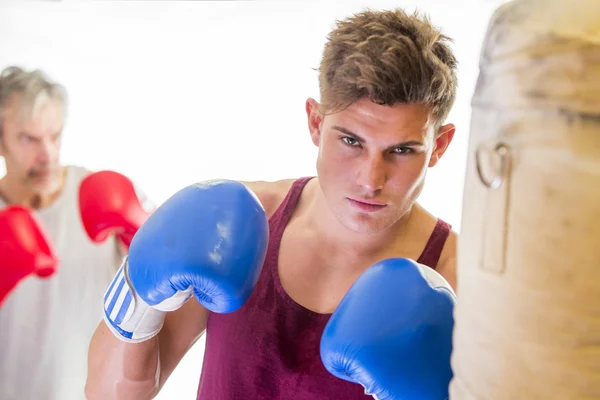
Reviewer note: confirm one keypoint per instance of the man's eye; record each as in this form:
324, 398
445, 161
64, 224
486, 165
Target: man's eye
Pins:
350, 141
403, 150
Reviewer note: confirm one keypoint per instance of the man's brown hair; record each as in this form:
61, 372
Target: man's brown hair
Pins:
388, 57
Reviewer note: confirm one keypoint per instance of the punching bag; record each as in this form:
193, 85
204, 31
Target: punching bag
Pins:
527, 320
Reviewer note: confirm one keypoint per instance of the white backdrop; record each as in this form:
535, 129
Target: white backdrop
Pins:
174, 92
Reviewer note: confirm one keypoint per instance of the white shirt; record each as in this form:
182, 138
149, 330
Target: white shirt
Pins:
46, 324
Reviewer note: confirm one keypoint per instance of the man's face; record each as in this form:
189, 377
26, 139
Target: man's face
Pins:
30, 145
373, 160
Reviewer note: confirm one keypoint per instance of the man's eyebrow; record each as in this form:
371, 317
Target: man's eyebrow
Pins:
25, 133
347, 132
357, 137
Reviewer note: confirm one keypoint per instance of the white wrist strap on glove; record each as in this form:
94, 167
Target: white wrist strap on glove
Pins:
129, 317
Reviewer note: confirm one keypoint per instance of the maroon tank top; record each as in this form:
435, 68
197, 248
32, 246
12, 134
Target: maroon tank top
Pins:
269, 348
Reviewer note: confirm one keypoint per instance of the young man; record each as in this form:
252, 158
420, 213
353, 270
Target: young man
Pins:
387, 83
45, 323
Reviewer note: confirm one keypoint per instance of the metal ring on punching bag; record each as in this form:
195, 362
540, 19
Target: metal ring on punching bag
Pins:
502, 150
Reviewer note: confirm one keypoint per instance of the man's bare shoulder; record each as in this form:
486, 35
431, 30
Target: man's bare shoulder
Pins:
447, 264
449, 250
424, 223
270, 193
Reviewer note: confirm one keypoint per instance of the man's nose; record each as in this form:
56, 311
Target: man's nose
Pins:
46, 151
373, 175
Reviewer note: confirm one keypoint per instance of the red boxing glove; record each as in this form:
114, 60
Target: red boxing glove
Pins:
25, 248
109, 204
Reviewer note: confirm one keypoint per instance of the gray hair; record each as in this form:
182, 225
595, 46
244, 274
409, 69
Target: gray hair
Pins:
30, 88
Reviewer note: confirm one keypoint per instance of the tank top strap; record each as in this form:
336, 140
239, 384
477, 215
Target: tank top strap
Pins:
433, 249
282, 215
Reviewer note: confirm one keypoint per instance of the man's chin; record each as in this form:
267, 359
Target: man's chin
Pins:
365, 224
44, 186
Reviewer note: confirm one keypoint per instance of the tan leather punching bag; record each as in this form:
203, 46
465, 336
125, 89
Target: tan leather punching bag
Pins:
528, 312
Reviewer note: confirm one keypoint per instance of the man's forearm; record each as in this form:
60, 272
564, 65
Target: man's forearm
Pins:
120, 370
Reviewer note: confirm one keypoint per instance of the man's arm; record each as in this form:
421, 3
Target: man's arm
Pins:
447, 265
448, 270
122, 370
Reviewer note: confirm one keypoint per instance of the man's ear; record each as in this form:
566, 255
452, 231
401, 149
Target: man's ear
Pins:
443, 138
315, 118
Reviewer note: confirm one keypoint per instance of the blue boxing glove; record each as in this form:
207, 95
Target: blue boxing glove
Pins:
392, 332
209, 240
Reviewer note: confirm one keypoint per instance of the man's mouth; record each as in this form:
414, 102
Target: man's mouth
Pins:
366, 205
40, 173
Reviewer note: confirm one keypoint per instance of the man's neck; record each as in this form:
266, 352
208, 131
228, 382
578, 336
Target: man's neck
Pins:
340, 239
14, 192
